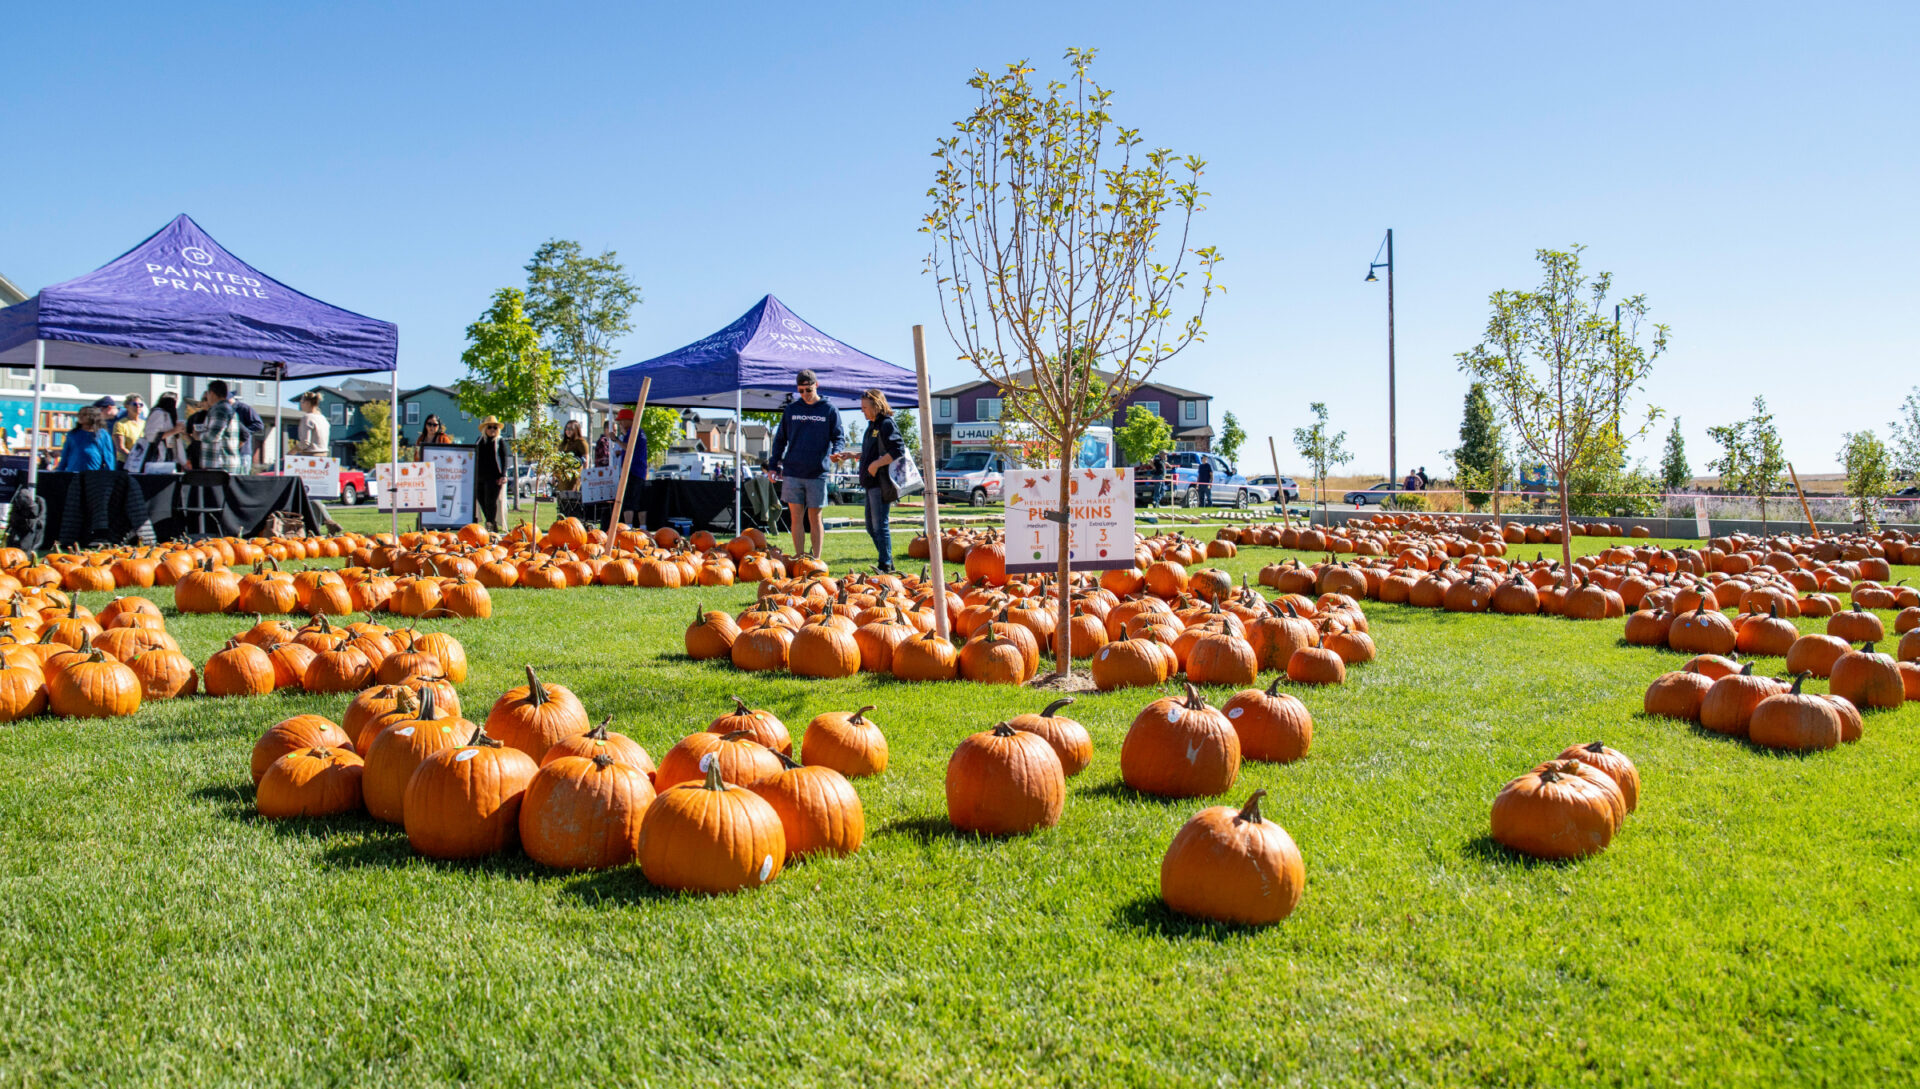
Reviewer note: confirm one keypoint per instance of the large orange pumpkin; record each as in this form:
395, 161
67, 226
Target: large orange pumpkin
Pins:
532, 716
711, 836
584, 813
1180, 748
1005, 781
819, 810
464, 802
1233, 866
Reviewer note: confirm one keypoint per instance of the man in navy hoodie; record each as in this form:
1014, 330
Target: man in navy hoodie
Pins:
804, 446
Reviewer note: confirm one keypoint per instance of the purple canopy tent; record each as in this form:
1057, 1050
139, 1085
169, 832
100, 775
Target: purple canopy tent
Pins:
752, 363
180, 302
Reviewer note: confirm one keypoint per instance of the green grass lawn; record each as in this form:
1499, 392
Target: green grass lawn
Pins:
1754, 923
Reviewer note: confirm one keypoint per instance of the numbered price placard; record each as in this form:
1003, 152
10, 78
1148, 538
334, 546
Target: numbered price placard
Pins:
321, 475
1100, 526
409, 490
597, 484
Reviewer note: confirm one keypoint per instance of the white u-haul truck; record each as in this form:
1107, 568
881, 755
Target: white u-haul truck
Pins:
981, 453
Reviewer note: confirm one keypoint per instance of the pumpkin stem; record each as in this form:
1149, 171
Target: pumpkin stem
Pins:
1798, 680
860, 715
1001, 729
1048, 711
1868, 649
599, 733
713, 780
1747, 670
1194, 700
602, 761
740, 706
1550, 776
536, 693
1274, 688
1251, 811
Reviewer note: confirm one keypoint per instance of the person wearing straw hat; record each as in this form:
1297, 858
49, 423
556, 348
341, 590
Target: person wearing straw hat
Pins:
489, 471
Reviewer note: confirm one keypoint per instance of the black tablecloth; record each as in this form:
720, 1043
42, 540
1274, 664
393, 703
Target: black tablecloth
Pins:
708, 504
77, 504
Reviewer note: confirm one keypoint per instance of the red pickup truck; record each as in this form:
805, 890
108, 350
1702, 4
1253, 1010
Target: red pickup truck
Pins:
354, 486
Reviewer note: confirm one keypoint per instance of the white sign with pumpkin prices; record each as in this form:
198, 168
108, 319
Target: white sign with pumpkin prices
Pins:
1100, 525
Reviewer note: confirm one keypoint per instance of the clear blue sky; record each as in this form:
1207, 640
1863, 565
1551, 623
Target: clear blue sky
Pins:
1750, 166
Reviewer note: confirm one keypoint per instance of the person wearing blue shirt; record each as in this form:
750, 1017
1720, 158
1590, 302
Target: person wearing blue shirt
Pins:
88, 447
635, 515
804, 446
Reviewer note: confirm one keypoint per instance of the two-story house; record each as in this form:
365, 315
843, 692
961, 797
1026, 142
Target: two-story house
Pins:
1188, 412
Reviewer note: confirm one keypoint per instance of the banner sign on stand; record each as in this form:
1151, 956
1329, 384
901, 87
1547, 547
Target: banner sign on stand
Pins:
453, 467
13, 473
321, 475
411, 491
597, 484
1100, 526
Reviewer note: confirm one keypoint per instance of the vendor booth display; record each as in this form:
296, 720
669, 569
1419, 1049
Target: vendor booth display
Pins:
179, 302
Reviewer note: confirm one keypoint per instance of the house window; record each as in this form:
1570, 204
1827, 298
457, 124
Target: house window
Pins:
337, 414
1150, 406
413, 412
987, 408
20, 372
1189, 410
945, 408
259, 389
173, 381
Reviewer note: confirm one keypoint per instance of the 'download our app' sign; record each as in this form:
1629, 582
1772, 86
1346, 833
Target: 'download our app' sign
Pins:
1100, 522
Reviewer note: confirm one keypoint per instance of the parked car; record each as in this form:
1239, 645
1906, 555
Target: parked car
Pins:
1281, 489
354, 486
971, 476
1374, 496
845, 488
1230, 489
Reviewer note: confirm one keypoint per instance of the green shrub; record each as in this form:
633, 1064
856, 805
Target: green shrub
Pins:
1407, 501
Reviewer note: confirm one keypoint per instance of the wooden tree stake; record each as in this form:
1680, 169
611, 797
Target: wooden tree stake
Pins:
1805, 508
626, 462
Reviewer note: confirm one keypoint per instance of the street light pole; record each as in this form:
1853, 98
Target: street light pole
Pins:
1393, 435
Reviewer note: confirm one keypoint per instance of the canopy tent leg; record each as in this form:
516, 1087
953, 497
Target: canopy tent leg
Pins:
393, 432
280, 421
739, 442
33, 424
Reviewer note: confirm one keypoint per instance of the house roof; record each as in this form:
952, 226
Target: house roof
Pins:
10, 294
1194, 433
1104, 376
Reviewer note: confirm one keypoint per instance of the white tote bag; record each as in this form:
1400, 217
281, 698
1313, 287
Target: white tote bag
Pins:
905, 473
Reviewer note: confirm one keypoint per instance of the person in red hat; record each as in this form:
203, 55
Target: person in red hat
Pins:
634, 515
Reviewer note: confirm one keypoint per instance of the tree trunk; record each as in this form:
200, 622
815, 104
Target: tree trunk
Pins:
1063, 652
1566, 532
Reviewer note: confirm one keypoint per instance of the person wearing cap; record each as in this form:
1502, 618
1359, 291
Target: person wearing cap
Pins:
489, 472
633, 514
804, 447
128, 429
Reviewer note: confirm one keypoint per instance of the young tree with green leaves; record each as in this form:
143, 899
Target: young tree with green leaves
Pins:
1553, 360
1869, 473
1675, 473
909, 430
1752, 461
1480, 458
1142, 436
580, 306
377, 447
511, 376
1050, 225
1322, 449
1232, 435
1904, 439
661, 426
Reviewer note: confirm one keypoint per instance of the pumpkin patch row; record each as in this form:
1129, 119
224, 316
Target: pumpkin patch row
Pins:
724, 810
1725, 697
1569, 807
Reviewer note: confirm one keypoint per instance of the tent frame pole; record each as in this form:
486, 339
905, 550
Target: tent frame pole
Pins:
393, 433
739, 445
929, 494
33, 425
279, 420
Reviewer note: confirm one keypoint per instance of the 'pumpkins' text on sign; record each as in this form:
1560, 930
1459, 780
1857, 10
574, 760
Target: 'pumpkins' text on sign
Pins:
1100, 522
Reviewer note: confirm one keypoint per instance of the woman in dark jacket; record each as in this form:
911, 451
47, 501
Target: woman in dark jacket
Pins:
880, 448
489, 469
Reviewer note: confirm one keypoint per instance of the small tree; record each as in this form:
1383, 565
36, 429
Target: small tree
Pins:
1752, 461
1047, 225
1232, 435
909, 430
1869, 473
580, 305
1557, 366
661, 426
378, 445
508, 374
539, 447
1142, 436
1904, 439
1478, 458
1321, 448
1675, 473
